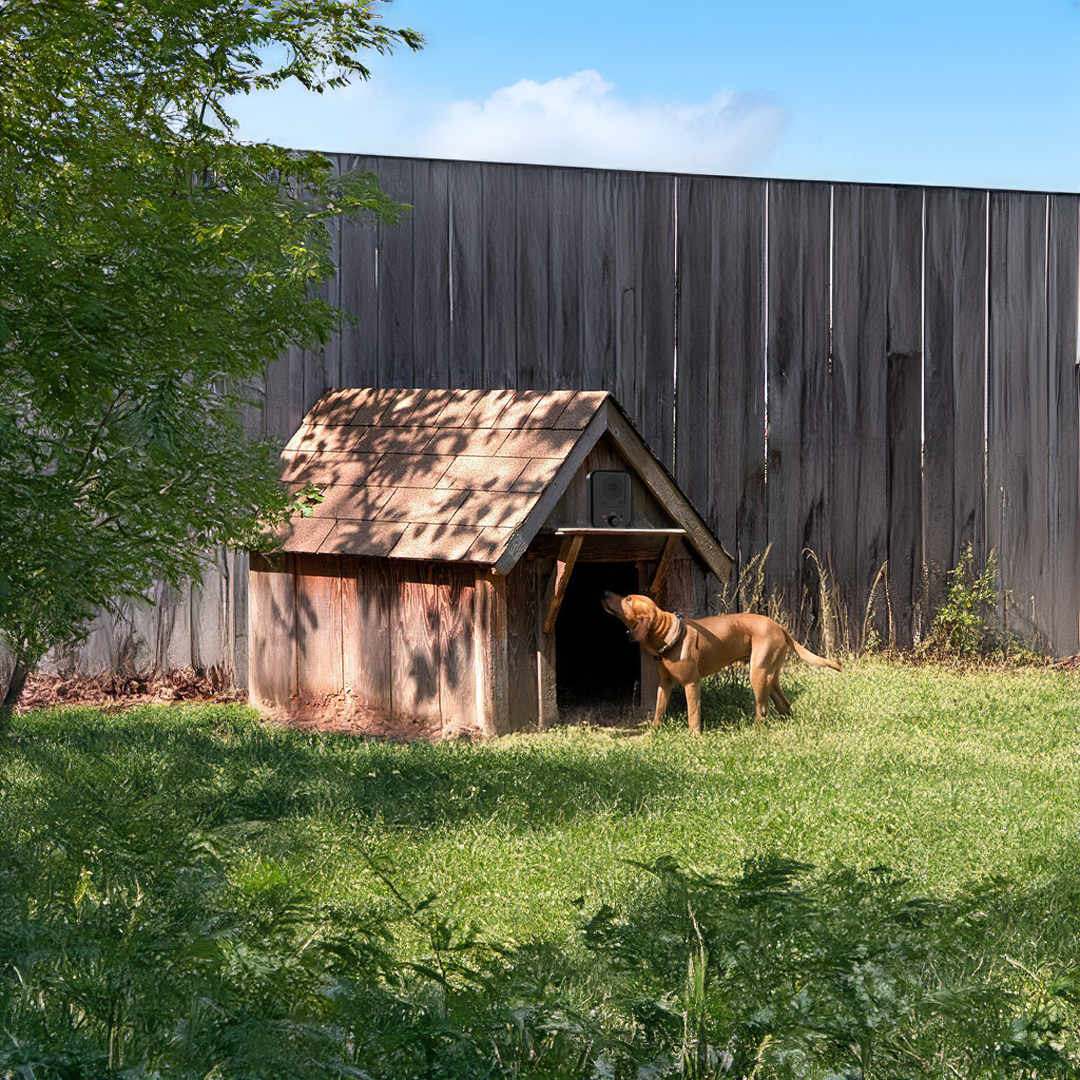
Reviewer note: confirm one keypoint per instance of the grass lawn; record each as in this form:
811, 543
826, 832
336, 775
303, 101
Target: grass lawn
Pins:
963, 783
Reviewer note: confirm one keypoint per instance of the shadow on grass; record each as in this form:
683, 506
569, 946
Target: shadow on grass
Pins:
217, 766
727, 701
981, 982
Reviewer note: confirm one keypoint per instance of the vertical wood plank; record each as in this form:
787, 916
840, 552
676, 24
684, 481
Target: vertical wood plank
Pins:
645, 275
414, 643
565, 312
651, 387
532, 287
721, 357
456, 603
596, 364
955, 382
521, 615
366, 632
272, 631
1064, 442
1018, 413
492, 667
431, 265
799, 404
239, 572
396, 280
876, 401
545, 644
500, 262
319, 658
858, 536
466, 276
359, 291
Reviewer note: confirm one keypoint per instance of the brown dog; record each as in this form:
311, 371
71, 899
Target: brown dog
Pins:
689, 649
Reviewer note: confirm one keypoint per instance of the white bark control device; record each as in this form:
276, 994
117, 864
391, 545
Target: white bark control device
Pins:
609, 499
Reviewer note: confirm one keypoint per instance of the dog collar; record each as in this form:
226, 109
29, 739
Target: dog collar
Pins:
679, 631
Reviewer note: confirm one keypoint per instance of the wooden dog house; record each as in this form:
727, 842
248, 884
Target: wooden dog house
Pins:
452, 575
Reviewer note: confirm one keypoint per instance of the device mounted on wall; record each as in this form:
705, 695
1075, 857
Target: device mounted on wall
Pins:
610, 504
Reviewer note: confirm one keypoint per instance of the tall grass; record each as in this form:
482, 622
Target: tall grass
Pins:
191, 892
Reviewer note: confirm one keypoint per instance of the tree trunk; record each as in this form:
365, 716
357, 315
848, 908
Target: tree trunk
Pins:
15, 686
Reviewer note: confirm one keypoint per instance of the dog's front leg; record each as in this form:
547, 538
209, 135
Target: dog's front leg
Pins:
663, 694
693, 706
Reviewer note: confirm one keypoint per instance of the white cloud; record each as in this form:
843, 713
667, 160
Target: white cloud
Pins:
580, 120
576, 120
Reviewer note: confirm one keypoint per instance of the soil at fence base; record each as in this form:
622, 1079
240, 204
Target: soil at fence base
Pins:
334, 713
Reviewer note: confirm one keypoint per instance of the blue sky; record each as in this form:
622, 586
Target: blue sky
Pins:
969, 93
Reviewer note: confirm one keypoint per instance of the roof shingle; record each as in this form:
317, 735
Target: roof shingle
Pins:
429, 474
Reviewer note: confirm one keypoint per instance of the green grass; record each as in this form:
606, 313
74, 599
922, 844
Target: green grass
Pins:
963, 783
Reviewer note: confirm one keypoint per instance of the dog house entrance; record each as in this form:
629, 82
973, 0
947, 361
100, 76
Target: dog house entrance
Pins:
596, 665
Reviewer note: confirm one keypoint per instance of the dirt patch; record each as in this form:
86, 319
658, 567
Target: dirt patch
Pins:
334, 713
113, 691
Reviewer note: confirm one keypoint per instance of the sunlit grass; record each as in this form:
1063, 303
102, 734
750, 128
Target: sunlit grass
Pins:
949, 778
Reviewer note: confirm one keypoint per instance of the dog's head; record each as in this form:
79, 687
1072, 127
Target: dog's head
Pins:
637, 612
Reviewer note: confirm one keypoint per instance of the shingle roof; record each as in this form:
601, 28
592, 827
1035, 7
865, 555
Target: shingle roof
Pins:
430, 474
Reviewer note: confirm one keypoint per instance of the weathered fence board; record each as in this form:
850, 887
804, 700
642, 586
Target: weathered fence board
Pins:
906, 356
1018, 407
798, 388
954, 399
721, 355
1063, 323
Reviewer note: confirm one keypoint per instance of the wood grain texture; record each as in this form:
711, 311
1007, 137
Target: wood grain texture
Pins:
499, 359
523, 698
560, 277
1018, 409
531, 285
396, 270
954, 400
456, 609
721, 356
799, 398
1063, 324
366, 631
415, 659
358, 289
645, 297
272, 613
466, 275
319, 657
430, 218
492, 668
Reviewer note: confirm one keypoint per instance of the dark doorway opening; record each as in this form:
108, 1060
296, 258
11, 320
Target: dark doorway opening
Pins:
596, 665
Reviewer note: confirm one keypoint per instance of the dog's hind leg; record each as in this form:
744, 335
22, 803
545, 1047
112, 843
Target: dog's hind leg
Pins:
783, 706
762, 684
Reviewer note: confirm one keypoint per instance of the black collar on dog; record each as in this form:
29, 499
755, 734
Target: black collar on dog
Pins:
675, 640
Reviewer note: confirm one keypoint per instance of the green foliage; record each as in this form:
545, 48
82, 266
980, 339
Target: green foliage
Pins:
963, 619
189, 892
150, 267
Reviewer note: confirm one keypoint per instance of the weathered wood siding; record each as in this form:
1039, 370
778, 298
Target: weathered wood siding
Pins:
877, 374
396, 637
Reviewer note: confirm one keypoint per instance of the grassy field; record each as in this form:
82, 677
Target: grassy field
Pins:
192, 891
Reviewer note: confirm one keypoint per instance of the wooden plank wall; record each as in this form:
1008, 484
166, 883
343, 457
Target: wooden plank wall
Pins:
878, 374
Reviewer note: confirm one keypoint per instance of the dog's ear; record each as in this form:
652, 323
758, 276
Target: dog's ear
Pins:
640, 630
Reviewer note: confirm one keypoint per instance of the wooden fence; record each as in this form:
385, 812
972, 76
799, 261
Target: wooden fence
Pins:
875, 375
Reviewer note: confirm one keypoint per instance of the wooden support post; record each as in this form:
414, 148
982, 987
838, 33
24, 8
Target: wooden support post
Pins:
546, 685
560, 578
665, 562
492, 692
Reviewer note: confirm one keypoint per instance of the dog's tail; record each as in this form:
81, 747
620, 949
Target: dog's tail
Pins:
809, 657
